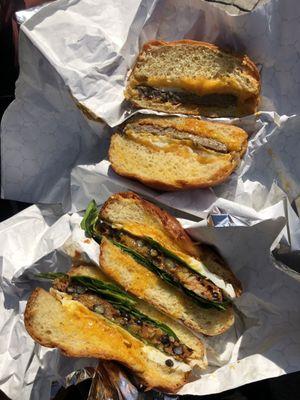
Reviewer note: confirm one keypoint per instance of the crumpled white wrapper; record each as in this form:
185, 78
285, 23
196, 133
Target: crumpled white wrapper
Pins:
86, 48
93, 44
263, 343
51, 153
264, 165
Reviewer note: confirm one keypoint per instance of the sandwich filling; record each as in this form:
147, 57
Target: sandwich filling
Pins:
178, 97
164, 263
198, 142
114, 304
167, 265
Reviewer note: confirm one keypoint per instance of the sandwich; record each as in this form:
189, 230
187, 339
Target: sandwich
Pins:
147, 252
192, 77
86, 315
172, 153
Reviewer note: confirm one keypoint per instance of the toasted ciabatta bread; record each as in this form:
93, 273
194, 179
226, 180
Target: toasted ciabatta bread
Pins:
142, 218
198, 358
81, 332
171, 153
147, 286
193, 77
127, 212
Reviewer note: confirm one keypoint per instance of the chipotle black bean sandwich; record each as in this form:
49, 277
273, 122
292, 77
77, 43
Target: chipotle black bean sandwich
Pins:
173, 153
154, 290
86, 315
191, 77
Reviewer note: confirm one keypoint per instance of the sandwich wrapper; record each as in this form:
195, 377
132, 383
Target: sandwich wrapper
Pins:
75, 52
263, 343
79, 52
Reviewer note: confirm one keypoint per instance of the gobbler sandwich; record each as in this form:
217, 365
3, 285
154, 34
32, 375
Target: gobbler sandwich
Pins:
173, 153
191, 77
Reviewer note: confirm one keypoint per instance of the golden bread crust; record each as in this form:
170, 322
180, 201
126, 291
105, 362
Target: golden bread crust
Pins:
180, 184
198, 356
168, 223
174, 236
234, 138
82, 333
244, 58
245, 108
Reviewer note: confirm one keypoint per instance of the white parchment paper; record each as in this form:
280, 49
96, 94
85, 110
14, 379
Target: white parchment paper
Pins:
266, 163
94, 58
264, 342
86, 47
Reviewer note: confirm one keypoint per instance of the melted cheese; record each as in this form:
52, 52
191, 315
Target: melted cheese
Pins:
100, 333
199, 267
142, 230
232, 136
132, 281
160, 358
182, 147
201, 86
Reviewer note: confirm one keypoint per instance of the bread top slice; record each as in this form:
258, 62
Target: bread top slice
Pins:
198, 357
79, 332
129, 211
146, 285
198, 68
172, 153
141, 218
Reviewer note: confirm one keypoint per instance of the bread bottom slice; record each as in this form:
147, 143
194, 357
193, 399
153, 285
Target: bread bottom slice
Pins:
144, 284
198, 357
170, 170
78, 332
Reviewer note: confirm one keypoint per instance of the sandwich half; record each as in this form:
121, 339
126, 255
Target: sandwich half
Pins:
192, 77
86, 315
172, 153
146, 251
